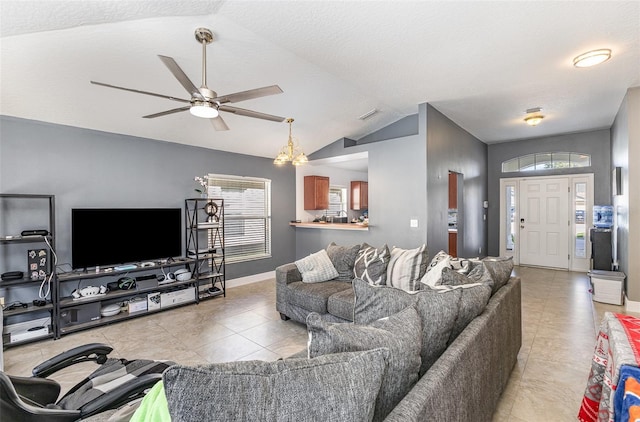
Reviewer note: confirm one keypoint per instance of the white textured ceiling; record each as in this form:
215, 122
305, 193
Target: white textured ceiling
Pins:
481, 63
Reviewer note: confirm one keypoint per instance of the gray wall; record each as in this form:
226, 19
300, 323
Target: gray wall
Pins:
625, 148
397, 193
404, 185
87, 168
451, 148
597, 143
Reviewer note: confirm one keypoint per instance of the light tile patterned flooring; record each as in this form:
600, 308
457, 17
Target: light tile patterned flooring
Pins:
559, 328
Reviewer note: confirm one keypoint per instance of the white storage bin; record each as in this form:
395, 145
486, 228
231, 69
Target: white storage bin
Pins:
177, 297
607, 286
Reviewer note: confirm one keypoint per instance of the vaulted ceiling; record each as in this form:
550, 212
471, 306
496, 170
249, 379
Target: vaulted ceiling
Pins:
480, 63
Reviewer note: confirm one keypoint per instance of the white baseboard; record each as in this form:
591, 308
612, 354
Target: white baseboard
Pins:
241, 281
631, 306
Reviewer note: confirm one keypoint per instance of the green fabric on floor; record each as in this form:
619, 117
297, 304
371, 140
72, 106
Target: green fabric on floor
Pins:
154, 407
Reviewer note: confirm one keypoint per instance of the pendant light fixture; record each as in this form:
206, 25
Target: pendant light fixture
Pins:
291, 152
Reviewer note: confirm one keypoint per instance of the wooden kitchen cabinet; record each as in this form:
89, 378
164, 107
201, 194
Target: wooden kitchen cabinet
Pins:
453, 244
316, 193
359, 195
453, 190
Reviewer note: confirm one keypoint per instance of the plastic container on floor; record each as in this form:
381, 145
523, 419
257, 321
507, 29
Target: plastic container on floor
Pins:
607, 286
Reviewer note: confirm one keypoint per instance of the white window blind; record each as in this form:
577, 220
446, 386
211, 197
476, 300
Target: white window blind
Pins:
247, 216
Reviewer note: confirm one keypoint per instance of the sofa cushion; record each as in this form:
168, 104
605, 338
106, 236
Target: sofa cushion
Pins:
316, 267
371, 264
400, 333
341, 304
474, 299
343, 258
438, 312
315, 296
406, 267
337, 387
500, 268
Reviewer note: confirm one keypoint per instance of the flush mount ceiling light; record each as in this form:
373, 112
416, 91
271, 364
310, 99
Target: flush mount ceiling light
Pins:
533, 116
592, 58
291, 152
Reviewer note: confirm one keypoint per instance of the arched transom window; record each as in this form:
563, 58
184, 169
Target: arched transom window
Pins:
546, 161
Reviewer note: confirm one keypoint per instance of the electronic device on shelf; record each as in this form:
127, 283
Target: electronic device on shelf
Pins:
147, 264
12, 275
125, 267
35, 232
140, 234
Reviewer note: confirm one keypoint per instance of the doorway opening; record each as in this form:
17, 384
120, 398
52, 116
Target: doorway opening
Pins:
544, 220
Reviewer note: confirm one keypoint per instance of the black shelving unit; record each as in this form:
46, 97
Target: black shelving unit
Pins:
204, 218
109, 274
10, 237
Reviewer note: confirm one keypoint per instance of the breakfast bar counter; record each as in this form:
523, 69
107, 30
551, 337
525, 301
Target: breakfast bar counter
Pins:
331, 226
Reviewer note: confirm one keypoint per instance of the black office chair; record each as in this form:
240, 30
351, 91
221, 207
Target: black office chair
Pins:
115, 383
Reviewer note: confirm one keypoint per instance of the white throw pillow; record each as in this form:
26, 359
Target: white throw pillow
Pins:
316, 267
433, 276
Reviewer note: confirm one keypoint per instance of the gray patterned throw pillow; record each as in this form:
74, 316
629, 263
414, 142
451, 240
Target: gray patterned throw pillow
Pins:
343, 258
400, 333
371, 264
336, 387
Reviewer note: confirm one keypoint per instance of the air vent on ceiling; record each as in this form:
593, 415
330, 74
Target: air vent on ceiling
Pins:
368, 114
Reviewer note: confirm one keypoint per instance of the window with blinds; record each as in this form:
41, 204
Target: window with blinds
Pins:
247, 216
337, 201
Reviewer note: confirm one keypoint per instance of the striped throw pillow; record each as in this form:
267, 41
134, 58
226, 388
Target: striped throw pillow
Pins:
406, 267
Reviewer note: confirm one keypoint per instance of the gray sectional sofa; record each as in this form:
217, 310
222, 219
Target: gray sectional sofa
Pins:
464, 382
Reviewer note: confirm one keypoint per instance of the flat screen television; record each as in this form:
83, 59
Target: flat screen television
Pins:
113, 236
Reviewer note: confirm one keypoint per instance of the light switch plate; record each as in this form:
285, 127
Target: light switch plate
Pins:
413, 223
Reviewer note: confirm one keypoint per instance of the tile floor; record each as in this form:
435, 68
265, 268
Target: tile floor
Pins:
559, 328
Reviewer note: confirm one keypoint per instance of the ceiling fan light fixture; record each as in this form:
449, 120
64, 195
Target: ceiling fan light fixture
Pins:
592, 58
204, 110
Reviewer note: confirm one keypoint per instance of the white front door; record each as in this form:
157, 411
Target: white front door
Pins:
544, 223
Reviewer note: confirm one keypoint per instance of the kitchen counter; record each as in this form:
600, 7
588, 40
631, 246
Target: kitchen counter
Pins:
330, 226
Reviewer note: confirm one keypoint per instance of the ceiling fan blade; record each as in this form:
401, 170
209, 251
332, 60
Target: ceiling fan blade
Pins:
247, 95
141, 92
219, 124
164, 113
250, 113
181, 77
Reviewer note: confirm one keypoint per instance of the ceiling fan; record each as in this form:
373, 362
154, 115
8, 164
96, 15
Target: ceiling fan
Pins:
204, 102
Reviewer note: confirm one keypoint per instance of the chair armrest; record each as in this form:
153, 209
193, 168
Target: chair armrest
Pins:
115, 398
71, 357
287, 273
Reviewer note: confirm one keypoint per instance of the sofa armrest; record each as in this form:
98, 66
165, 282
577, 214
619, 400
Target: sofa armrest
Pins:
287, 273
